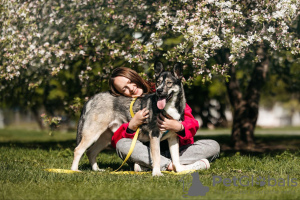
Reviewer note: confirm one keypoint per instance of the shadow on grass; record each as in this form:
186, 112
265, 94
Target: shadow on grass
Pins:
64, 145
106, 163
54, 145
270, 144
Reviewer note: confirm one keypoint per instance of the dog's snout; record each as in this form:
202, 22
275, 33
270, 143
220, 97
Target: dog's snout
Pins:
159, 91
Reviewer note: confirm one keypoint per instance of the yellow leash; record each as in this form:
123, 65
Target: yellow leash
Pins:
134, 138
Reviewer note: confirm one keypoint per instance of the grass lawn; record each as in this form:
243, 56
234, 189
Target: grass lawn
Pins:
25, 154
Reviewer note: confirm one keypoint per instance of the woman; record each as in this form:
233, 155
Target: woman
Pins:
193, 155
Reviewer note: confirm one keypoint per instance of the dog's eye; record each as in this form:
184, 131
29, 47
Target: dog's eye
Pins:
158, 83
169, 84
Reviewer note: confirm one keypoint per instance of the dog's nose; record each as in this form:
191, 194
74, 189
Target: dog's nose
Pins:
159, 91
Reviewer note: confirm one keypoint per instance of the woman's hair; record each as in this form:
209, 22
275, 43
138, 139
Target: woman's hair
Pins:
132, 75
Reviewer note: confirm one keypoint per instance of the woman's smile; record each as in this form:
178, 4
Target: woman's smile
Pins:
127, 88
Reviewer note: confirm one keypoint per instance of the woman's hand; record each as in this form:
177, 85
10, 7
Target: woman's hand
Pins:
138, 119
165, 124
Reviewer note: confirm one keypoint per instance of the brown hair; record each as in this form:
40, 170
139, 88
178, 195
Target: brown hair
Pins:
132, 75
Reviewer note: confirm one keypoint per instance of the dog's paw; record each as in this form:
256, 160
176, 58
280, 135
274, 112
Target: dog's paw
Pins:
98, 169
156, 172
179, 168
74, 169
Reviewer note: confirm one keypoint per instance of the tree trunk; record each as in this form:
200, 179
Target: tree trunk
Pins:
245, 107
37, 118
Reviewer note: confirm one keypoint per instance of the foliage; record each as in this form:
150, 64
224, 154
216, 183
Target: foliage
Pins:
52, 122
55, 54
43, 37
208, 100
283, 82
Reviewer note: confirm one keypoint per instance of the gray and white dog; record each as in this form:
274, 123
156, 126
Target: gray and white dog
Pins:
103, 114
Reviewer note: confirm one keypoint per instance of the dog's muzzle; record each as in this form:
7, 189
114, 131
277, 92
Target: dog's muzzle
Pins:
162, 101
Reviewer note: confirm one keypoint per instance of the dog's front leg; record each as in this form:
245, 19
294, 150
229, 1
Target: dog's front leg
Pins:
174, 150
155, 155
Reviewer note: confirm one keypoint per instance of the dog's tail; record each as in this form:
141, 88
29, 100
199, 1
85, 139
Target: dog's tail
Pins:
80, 125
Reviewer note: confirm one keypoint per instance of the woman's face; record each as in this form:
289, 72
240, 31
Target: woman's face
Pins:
126, 87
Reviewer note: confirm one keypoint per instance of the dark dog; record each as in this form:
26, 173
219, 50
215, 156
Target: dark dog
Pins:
103, 114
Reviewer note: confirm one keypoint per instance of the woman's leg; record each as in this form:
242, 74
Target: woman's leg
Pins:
189, 154
140, 154
208, 149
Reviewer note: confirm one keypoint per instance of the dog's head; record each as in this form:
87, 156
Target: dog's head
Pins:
168, 84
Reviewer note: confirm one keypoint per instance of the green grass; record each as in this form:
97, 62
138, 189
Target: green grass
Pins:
25, 154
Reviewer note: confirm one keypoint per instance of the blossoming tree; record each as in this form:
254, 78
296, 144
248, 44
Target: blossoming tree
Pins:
44, 37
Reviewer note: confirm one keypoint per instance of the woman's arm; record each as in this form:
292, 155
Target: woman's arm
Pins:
127, 130
138, 119
190, 124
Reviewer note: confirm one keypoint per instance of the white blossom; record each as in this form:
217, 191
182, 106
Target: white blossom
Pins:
160, 23
271, 29
60, 53
42, 51
32, 47
201, 29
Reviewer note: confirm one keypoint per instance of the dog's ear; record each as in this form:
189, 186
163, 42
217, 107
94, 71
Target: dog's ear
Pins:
178, 70
158, 68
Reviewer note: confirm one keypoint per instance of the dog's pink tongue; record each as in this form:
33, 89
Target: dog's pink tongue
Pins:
161, 103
